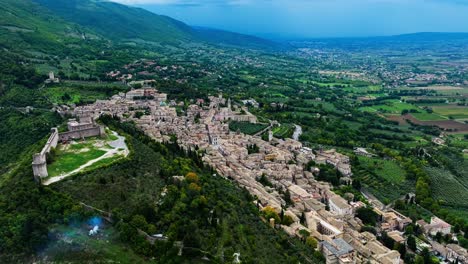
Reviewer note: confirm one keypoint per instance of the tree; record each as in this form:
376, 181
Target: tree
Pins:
287, 198
419, 260
269, 212
191, 177
311, 242
367, 215
401, 248
304, 234
356, 184
303, 218
411, 242
426, 256
287, 220
139, 221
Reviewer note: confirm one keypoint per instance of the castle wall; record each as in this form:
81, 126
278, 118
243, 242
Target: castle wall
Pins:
83, 133
39, 164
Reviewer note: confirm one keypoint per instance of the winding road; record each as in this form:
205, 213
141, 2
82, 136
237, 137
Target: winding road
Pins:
297, 132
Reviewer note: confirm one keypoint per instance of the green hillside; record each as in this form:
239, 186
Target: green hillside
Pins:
27, 26
119, 22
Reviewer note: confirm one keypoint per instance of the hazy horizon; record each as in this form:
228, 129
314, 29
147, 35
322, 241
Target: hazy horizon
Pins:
316, 18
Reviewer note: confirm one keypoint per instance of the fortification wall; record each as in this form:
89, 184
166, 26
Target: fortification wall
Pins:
39, 164
83, 133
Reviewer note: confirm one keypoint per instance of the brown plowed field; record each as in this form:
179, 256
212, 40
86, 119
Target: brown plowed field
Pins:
443, 124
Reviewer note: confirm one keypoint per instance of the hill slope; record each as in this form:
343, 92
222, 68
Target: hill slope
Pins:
120, 22
117, 22
27, 25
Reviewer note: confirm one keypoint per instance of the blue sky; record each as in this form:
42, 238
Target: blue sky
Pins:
317, 18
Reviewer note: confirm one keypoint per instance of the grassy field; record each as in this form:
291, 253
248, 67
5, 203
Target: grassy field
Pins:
364, 90
390, 107
424, 116
457, 112
71, 156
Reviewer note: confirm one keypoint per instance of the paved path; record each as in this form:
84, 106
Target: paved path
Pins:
119, 146
297, 132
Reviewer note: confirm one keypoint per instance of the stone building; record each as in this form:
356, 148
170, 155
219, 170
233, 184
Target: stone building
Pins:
339, 206
337, 251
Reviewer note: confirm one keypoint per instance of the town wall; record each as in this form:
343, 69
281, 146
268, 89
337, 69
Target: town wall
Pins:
39, 163
83, 133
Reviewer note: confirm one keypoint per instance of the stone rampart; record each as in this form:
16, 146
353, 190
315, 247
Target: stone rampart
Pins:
39, 163
83, 133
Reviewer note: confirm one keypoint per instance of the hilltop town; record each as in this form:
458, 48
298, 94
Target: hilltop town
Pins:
292, 189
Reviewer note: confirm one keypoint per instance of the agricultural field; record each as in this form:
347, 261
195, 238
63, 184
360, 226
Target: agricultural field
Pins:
283, 131
448, 188
424, 116
246, 127
460, 141
389, 107
383, 178
454, 111
93, 153
371, 89
386, 169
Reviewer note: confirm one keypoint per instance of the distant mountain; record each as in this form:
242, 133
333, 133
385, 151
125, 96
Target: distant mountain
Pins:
429, 36
120, 22
234, 39
418, 37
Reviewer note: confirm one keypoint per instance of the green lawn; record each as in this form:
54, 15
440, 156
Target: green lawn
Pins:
71, 156
69, 160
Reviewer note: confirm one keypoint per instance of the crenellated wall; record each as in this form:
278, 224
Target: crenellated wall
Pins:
39, 164
83, 133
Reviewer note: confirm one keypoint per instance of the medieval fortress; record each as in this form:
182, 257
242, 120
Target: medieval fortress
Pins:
82, 128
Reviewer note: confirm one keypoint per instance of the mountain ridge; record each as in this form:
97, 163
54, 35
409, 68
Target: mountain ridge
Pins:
121, 22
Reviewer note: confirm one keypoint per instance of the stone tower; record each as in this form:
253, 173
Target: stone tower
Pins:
39, 166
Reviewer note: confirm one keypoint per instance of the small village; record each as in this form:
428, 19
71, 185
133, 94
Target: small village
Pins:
315, 209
